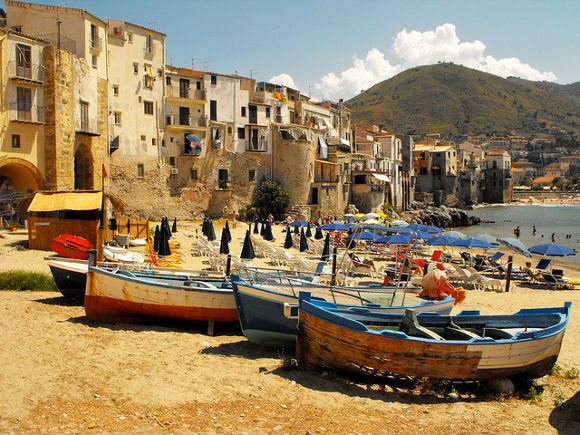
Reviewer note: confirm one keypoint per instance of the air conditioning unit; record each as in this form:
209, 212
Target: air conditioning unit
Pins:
174, 171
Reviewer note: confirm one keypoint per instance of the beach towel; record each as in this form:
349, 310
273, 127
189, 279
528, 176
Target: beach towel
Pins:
436, 286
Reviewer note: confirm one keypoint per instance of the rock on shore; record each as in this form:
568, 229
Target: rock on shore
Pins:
444, 217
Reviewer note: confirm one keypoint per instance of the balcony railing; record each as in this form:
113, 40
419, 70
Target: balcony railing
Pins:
332, 180
190, 150
224, 185
190, 121
190, 94
32, 72
260, 146
26, 114
89, 126
149, 52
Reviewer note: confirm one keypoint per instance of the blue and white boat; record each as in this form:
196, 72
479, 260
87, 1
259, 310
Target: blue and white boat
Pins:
261, 305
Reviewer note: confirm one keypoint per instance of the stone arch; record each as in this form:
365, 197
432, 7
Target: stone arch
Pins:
23, 175
83, 167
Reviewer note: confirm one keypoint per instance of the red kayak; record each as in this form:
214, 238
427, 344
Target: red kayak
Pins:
70, 246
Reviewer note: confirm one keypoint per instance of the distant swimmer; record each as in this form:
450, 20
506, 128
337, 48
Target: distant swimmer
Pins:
533, 230
553, 238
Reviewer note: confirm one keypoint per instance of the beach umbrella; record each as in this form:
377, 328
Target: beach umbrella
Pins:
288, 242
318, 234
308, 232
456, 234
296, 230
443, 240
326, 250
165, 227
227, 231
193, 138
474, 243
369, 216
335, 227
552, 249
256, 231
303, 241
487, 238
156, 239
174, 227
164, 249
395, 239
515, 245
262, 229
248, 249
399, 223
204, 227
224, 248
426, 228
372, 222
381, 214
398, 230
364, 235
210, 231
349, 217
358, 215
301, 224
423, 235
268, 232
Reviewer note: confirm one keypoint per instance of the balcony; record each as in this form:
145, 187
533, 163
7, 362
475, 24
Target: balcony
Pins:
89, 126
96, 43
260, 146
190, 150
188, 93
188, 122
30, 73
28, 114
223, 185
149, 52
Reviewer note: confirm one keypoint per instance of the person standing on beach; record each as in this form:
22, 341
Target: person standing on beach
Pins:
234, 219
553, 238
533, 230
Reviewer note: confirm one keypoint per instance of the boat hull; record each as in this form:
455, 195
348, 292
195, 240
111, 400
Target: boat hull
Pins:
114, 297
327, 343
263, 321
69, 246
71, 279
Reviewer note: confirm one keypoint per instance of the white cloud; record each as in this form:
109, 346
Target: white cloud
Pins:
284, 79
418, 48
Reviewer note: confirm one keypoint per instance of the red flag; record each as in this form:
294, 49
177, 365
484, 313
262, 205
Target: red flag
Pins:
104, 171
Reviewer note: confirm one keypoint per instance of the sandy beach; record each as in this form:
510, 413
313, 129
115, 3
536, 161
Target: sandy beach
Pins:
62, 373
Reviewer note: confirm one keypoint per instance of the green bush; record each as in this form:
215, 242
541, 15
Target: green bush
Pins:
18, 280
247, 213
271, 197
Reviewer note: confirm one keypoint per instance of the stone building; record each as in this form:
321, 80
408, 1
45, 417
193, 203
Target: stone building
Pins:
499, 182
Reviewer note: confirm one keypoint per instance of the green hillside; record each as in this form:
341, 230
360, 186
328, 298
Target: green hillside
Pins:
448, 98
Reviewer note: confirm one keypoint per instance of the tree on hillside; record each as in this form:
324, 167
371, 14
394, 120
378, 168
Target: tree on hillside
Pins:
271, 197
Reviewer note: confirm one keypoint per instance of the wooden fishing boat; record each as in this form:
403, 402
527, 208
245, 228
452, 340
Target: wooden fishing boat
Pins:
123, 296
70, 246
468, 346
261, 305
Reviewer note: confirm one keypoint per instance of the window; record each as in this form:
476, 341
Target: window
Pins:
95, 60
148, 107
23, 61
172, 161
193, 174
184, 116
163, 142
213, 80
143, 137
84, 116
241, 133
153, 141
314, 195
251, 175
24, 103
148, 78
116, 90
223, 178
148, 43
15, 141
168, 80
17, 29
243, 111
130, 37
184, 88
267, 112
140, 170
117, 118
135, 67
198, 85
94, 36
213, 110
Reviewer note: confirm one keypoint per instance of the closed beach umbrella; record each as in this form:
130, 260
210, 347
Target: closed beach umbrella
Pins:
156, 239
248, 248
204, 227
268, 232
224, 248
308, 232
256, 231
474, 243
262, 229
227, 231
174, 227
318, 234
288, 242
515, 245
303, 241
552, 249
164, 249
296, 230
210, 231
326, 250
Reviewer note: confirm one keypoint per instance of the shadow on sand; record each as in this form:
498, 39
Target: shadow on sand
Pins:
566, 417
61, 300
243, 349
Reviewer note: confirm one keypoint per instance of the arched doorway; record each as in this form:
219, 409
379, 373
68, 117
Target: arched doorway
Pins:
83, 168
18, 180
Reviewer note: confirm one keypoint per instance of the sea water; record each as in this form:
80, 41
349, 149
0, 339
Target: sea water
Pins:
500, 221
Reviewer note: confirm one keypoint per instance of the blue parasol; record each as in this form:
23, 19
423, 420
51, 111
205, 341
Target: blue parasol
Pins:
551, 249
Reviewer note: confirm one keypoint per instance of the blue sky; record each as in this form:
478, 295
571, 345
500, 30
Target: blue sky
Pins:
336, 48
